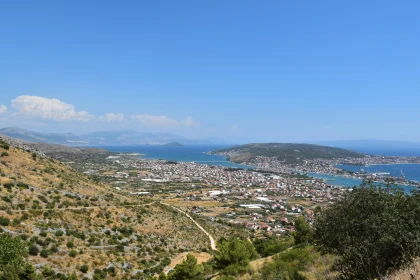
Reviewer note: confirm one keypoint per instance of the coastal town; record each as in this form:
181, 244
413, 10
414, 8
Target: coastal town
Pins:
267, 198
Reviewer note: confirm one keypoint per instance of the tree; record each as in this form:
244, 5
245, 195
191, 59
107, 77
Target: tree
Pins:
271, 245
373, 229
187, 270
303, 233
234, 255
12, 252
33, 250
162, 276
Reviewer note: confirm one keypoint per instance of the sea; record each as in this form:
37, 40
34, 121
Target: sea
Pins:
191, 153
199, 154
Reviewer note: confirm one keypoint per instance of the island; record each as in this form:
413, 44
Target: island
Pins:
173, 144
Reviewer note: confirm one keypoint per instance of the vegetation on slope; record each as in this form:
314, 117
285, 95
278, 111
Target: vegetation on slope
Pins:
70, 225
374, 231
287, 152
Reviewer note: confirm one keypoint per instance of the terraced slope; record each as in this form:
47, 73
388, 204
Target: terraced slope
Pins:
72, 224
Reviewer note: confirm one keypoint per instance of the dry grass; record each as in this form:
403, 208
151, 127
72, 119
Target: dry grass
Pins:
200, 256
158, 226
407, 273
188, 203
257, 264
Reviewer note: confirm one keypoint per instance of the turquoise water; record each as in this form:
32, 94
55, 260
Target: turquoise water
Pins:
336, 180
411, 171
198, 154
193, 153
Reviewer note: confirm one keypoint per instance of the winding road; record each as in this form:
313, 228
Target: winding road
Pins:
212, 242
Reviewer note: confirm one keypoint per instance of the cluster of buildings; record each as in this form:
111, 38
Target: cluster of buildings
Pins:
269, 198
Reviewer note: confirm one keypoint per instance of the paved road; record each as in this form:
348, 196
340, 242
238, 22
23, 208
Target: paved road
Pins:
212, 242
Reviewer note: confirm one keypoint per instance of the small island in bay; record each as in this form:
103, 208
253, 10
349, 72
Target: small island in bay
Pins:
173, 144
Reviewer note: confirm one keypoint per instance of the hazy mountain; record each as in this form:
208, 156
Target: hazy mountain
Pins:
101, 138
129, 138
58, 138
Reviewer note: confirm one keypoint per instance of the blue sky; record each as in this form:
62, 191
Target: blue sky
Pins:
238, 70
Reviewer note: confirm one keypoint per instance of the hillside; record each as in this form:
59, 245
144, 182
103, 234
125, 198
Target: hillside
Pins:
32, 136
287, 152
74, 225
58, 151
99, 138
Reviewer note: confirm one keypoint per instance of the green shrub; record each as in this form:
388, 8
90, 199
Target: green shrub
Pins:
33, 250
234, 256
373, 229
73, 253
84, 268
44, 253
8, 185
272, 245
4, 221
188, 269
287, 266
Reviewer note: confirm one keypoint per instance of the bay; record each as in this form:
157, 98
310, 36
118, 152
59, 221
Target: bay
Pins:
410, 171
348, 182
192, 153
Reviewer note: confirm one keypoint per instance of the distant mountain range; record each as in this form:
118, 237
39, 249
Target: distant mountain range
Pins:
101, 138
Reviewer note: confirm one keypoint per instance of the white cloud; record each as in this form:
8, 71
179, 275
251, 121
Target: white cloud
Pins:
148, 120
37, 108
114, 117
3, 109
48, 109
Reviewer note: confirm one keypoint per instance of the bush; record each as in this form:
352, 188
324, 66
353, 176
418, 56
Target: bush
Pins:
59, 233
44, 253
4, 145
271, 245
4, 154
8, 185
4, 221
234, 256
188, 269
73, 253
374, 229
84, 268
119, 248
287, 265
12, 253
33, 250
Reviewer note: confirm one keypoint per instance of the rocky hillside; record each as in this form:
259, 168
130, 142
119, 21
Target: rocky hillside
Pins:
73, 225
